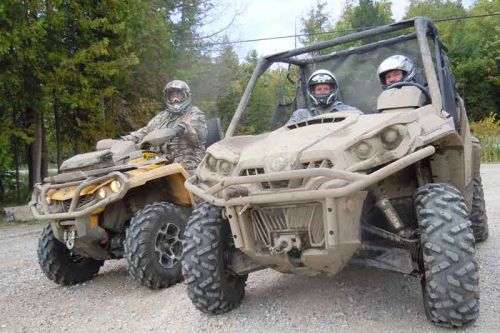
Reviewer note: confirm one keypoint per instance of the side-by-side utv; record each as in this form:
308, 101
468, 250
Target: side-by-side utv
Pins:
395, 185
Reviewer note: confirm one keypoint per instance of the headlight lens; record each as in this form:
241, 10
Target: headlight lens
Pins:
391, 137
101, 193
115, 186
211, 162
219, 166
225, 167
363, 150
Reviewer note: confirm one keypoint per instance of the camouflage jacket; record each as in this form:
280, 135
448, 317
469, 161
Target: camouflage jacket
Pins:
187, 149
303, 114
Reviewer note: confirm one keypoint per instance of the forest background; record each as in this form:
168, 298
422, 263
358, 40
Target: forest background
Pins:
74, 72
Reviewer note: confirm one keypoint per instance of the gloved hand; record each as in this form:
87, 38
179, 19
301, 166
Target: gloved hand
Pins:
180, 130
160, 136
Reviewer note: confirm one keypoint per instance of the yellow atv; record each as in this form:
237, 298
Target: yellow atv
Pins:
116, 202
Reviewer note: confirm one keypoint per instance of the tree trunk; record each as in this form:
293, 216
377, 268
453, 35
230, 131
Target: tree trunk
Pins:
44, 165
15, 146
57, 122
36, 149
75, 139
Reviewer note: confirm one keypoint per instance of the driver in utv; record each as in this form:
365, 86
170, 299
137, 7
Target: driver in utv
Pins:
188, 125
323, 91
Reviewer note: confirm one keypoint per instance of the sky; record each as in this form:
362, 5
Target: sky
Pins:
267, 18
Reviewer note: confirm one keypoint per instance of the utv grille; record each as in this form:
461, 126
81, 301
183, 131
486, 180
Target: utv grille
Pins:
252, 172
283, 184
326, 163
315, 121
268, 222
264, 185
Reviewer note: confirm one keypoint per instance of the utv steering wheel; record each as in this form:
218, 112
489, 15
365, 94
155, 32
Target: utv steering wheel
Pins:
424, 90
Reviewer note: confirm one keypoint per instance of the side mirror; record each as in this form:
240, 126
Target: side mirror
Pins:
159, 136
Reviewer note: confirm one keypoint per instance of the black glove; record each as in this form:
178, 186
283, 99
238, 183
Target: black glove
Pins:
180, 129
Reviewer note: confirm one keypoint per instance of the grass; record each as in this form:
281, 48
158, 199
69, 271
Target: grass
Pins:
487, 131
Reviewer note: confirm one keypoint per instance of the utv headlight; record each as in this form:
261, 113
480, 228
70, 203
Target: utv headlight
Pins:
225, 167
211, 162
363, 150
391, 137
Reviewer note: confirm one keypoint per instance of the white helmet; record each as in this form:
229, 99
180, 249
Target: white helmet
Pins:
394, 62
177, 96
322, 76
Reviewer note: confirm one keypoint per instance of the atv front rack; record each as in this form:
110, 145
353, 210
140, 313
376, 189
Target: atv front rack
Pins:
40, 208
353, 182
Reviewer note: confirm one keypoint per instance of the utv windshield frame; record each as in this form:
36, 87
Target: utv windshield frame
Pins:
440, 81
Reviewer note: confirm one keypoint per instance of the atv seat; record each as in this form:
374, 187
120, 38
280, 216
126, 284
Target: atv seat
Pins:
214, 131
118, 154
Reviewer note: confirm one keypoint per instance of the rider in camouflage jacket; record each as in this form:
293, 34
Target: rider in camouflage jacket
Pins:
188, 146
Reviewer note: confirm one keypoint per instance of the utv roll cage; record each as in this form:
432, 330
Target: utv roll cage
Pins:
441, 83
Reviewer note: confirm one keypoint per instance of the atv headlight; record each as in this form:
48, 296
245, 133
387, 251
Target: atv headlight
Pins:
115, 186
101, 193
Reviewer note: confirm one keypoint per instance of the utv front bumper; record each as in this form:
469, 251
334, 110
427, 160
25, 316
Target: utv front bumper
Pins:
351, 183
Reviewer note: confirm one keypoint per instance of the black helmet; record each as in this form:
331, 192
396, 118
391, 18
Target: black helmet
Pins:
322, 76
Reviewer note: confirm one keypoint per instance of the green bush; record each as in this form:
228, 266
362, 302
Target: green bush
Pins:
487, 131
10, 195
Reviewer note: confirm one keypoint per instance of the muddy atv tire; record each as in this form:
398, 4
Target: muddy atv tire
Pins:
450, 284
60, 264
153, 245
212, 288
478, 216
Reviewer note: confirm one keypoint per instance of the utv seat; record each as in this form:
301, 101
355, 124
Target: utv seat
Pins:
402, 98
214, 131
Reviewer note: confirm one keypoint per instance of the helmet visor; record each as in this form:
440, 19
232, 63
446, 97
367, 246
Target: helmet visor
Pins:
176, 96
322, 88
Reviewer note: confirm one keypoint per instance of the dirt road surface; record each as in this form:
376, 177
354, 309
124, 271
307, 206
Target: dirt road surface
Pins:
357, 300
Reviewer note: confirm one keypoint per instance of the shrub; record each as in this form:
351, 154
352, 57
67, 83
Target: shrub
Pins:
487, 131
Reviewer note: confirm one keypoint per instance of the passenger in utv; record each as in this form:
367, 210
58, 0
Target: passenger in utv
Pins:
404, 86
323, 91
396, 68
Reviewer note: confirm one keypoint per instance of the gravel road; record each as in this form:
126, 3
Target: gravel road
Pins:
356, 300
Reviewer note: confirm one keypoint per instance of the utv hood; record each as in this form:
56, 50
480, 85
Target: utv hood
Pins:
315, 138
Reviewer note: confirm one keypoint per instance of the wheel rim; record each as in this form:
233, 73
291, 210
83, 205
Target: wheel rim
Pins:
168, 246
